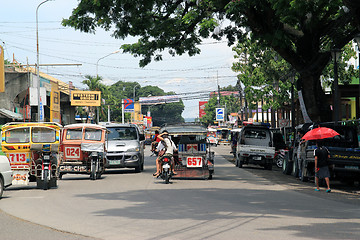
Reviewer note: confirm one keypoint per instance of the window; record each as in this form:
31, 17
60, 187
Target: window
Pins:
43, 135
74, 134
93, 134
19, 135
252, 133
122, 133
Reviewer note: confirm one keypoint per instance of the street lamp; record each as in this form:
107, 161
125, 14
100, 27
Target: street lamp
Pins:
97, 63
37, 58
357, 40
336, 53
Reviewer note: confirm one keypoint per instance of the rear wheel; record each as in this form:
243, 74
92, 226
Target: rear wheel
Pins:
1, 187
93, 170
241, 161
279, 161
46, 179
167, 177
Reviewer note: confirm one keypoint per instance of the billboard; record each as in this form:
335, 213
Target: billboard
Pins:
202, 105
86, 98
159, 99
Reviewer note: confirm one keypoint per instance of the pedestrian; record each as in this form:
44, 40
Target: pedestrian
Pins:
322, 156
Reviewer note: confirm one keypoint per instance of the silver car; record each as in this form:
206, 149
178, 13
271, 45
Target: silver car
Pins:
6, 174
125, 147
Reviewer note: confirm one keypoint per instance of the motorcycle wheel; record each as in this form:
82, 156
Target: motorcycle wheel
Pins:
167, 177
46, 179
279, 161
93, 170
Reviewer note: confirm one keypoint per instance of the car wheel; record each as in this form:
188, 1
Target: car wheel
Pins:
303, 170
241, 161
295, 168
1, 187
287, 167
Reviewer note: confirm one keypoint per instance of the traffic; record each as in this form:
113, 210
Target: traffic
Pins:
44, 152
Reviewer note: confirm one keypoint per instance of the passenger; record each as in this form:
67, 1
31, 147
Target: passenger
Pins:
321, 165
155, 141
170, 148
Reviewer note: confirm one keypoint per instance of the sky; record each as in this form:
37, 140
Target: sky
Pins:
64, 45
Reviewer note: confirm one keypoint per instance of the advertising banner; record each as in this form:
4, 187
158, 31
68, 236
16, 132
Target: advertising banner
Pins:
202, 105
159, 99
86, 98
55, 103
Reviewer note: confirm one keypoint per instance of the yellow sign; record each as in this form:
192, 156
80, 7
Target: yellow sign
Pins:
2, 70
55, 103
86, 98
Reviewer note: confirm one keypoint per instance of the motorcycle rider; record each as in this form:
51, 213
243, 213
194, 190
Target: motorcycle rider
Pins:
170, 148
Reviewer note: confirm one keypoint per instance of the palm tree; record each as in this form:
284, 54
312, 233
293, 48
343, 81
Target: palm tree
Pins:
94, 84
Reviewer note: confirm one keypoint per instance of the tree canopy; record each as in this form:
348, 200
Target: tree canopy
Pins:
301, 32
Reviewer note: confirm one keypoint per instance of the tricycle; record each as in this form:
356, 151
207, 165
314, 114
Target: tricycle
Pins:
194, 158
32, 149
83, 150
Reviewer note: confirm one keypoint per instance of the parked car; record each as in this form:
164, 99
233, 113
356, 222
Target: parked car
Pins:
125, 147
6, 175
255, 147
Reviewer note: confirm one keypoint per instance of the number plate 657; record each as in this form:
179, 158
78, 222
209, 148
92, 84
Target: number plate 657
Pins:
194, 162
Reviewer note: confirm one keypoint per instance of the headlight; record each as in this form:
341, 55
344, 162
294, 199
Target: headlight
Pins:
133, 149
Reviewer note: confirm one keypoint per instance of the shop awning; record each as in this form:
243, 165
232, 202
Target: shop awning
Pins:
10, 114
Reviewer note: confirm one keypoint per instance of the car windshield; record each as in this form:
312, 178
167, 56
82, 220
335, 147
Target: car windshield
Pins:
122, 133
18, 135
93, 134
43, 135
255, 133
74, 134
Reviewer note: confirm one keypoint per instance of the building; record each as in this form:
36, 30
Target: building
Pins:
19, 101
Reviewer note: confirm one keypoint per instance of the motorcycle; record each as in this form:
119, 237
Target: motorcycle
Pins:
46, 179
279, 157
166, 172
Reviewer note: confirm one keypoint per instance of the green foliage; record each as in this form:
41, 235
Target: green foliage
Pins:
264, 74
301, 32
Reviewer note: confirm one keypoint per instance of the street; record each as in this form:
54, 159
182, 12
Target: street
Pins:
237, 204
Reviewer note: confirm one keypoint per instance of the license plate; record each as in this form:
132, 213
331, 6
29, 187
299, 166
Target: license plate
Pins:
114, 162
194, 162
166, 166
257, 158
352, 167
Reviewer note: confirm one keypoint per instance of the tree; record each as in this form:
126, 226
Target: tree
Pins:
301, 32
94, 84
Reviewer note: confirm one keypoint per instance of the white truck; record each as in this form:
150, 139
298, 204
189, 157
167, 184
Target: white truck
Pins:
255, 147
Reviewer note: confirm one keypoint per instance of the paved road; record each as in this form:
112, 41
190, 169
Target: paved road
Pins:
236, 204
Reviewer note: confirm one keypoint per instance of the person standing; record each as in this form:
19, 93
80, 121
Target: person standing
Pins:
322, 156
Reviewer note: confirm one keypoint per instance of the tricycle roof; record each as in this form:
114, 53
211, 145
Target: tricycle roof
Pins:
185, 129
11, 125
85, 125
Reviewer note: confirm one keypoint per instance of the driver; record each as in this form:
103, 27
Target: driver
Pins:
170, 148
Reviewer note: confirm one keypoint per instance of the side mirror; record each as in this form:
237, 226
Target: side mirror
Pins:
142, 137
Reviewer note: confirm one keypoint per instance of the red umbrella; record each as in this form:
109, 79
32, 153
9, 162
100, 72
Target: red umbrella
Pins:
320, 133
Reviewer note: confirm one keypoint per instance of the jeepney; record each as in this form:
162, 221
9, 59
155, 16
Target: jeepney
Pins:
212, 136
32, 149
194, 158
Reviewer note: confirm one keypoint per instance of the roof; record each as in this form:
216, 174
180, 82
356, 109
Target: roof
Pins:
184, 129
10, 114
81, 125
